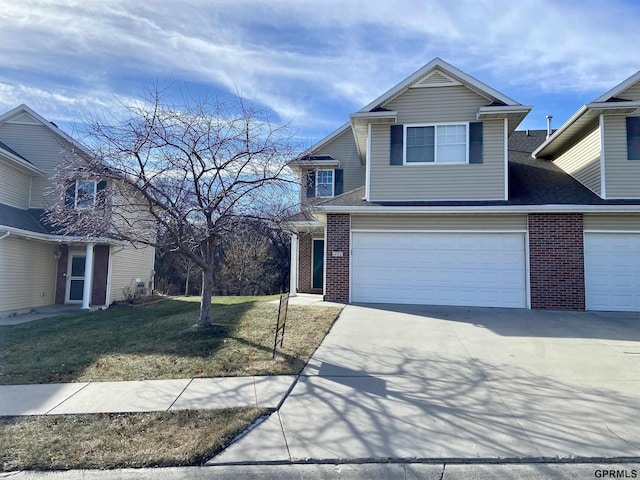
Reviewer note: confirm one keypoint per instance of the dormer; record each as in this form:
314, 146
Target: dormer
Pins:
439, 135
600, 144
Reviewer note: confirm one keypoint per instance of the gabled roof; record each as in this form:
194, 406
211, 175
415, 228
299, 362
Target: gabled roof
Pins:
25, 109
585, 117
449, 71
435, 73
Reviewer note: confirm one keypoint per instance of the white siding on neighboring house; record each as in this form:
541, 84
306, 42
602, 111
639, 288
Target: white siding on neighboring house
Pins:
40, 146
581, 159
621, 174
28, 277
15, 186
127, 265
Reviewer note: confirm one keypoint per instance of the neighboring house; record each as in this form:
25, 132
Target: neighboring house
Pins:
428, 195
38, 267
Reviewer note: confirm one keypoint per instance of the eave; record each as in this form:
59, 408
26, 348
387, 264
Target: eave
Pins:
22, 164
513, 113
360, 122
474, 209
581, 120
44, 237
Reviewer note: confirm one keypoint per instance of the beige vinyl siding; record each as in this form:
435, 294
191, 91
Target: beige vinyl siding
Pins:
439, 222
631, 93
581, 159
41, 146
15, 186
484, 181
127, 265
621, 175
27, 274
611, 222
343, 149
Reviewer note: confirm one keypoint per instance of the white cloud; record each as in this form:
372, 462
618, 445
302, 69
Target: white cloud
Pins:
303, 58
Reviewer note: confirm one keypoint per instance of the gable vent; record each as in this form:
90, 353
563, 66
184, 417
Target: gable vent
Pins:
24, 119
436, 79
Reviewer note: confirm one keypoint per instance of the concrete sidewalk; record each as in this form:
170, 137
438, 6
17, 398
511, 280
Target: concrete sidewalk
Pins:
144, 396
456, 384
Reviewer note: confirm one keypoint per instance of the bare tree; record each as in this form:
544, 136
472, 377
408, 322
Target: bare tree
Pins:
186, 174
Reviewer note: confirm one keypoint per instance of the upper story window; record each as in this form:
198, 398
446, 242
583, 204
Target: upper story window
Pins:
324, 183
83, 193
446, 143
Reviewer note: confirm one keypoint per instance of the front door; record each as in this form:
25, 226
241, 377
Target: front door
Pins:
318, 263
75, 278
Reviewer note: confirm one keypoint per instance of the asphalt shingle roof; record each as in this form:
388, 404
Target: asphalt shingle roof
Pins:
30, 220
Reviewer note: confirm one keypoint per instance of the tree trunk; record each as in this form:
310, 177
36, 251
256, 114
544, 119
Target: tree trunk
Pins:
207, 293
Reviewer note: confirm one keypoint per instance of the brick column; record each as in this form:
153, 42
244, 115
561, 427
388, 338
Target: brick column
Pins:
100, 275
337, 261
556, 259
304, 262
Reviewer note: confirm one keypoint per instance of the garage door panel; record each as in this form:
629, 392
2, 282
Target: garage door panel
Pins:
612, 271
469, 269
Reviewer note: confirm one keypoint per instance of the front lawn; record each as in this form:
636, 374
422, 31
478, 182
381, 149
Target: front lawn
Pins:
161, 341
61, 442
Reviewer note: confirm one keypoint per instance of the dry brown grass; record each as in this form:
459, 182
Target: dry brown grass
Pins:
161, 341
61, 442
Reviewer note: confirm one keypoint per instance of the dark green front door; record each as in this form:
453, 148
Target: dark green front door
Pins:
318, 263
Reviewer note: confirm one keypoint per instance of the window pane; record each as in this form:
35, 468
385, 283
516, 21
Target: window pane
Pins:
324, 183
85, 193
452, 143
420, 144
77, 266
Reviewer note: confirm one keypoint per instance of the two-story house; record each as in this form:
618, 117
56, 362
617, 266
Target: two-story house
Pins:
428, 195
37, 266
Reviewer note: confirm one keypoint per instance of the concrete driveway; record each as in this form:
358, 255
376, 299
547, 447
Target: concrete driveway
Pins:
417, 382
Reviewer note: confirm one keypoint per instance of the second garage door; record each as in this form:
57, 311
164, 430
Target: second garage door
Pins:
612, 271
467, 269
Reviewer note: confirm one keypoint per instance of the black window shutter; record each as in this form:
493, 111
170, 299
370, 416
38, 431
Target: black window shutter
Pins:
397, 134
475, 142
102, 184
633, 138
338, 181
70, 196
311, 183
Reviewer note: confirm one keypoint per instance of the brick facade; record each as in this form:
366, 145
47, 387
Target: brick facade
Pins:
556, 258
100, 275
337, 267
305, 263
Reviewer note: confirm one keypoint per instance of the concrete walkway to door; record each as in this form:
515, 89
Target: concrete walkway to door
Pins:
414, 382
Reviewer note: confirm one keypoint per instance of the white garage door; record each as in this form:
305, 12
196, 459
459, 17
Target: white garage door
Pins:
612, 271
470, 269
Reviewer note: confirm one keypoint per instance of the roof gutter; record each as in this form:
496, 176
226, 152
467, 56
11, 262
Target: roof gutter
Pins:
45, 237
484, 209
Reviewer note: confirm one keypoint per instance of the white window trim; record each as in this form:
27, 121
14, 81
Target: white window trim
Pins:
333, 182
435, 146
75, 194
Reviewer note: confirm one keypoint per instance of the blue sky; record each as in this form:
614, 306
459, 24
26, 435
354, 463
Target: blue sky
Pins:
310, 62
